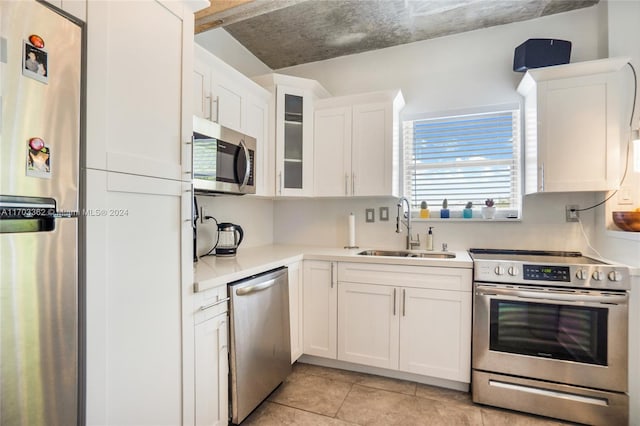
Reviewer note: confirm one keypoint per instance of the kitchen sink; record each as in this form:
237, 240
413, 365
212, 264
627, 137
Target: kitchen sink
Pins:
408, 253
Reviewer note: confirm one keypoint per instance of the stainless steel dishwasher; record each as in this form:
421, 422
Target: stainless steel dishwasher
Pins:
260, 347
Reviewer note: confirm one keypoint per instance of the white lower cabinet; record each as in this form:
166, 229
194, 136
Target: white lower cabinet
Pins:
320, 307
137, 264
409, 318
435, 333
295, 309
212, 367
368, 324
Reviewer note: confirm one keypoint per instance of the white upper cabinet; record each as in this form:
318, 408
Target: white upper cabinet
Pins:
256, 124
218, 90
292, 132
356, 145
202, 101
573, 121
224, 95
332, 137
136, 122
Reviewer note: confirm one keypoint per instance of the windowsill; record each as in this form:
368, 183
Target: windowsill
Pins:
460, 219
624, 235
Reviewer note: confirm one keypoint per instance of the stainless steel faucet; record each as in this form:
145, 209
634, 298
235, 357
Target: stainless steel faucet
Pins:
411, 243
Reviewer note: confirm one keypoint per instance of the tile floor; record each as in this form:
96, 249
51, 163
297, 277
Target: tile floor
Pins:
319, 396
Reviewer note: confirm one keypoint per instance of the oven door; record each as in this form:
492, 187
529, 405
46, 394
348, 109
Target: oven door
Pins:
570, 336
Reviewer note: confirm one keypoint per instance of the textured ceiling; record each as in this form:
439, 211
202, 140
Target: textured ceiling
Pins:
315, 30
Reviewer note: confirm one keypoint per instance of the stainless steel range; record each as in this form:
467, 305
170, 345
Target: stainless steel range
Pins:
550, 335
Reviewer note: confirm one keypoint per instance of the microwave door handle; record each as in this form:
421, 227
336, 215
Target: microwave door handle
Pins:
247, 168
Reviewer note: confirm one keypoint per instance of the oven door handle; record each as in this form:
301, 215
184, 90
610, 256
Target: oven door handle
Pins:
609, 299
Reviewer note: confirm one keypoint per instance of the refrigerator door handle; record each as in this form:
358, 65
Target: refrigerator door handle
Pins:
29, 214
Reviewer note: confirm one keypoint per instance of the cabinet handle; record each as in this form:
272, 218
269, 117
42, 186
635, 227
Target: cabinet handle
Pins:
211, 305
346, 184
211, 102
190, 172
542, 177
353, 184
280, 183
404, 301
207, 100
331, 274
394, 302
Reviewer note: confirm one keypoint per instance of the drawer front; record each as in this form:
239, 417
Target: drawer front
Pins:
456, 279
208, 304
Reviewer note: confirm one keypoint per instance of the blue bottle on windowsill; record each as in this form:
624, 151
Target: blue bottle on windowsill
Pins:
444, 212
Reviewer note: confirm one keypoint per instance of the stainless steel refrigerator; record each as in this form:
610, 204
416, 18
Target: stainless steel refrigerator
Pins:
41, 69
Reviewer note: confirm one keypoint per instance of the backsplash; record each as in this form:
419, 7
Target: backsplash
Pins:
254, 215
324, 222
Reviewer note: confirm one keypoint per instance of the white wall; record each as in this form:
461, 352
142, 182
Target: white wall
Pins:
224, 46
254, 215
458, 71
455, 72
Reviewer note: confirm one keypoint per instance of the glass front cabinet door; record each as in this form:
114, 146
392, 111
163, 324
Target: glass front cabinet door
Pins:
294, 142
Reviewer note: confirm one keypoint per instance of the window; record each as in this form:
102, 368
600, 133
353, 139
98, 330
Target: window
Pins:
464, 158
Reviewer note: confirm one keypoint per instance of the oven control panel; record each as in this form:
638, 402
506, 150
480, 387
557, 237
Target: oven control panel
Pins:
590, 276
546, 273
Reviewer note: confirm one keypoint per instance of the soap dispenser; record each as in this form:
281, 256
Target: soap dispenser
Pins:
429, 239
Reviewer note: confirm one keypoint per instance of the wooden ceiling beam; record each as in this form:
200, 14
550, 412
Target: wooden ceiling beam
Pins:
225, 12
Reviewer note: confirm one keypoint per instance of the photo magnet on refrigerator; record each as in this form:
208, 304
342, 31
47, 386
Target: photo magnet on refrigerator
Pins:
35, 62
38, 159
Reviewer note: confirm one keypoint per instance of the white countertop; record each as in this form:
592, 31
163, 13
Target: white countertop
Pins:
212, 271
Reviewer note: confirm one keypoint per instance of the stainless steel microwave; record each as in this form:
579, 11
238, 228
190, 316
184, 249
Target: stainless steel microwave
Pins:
223, 159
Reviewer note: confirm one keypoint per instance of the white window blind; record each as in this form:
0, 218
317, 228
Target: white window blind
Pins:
464, 158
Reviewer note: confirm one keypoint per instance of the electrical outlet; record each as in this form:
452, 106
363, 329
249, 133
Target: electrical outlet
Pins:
624, 196
370, 215
384, 214
571, 212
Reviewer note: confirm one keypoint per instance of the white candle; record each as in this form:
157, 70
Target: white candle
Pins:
352, 230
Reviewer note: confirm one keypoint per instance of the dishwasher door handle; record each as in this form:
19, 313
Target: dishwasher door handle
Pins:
244, 291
